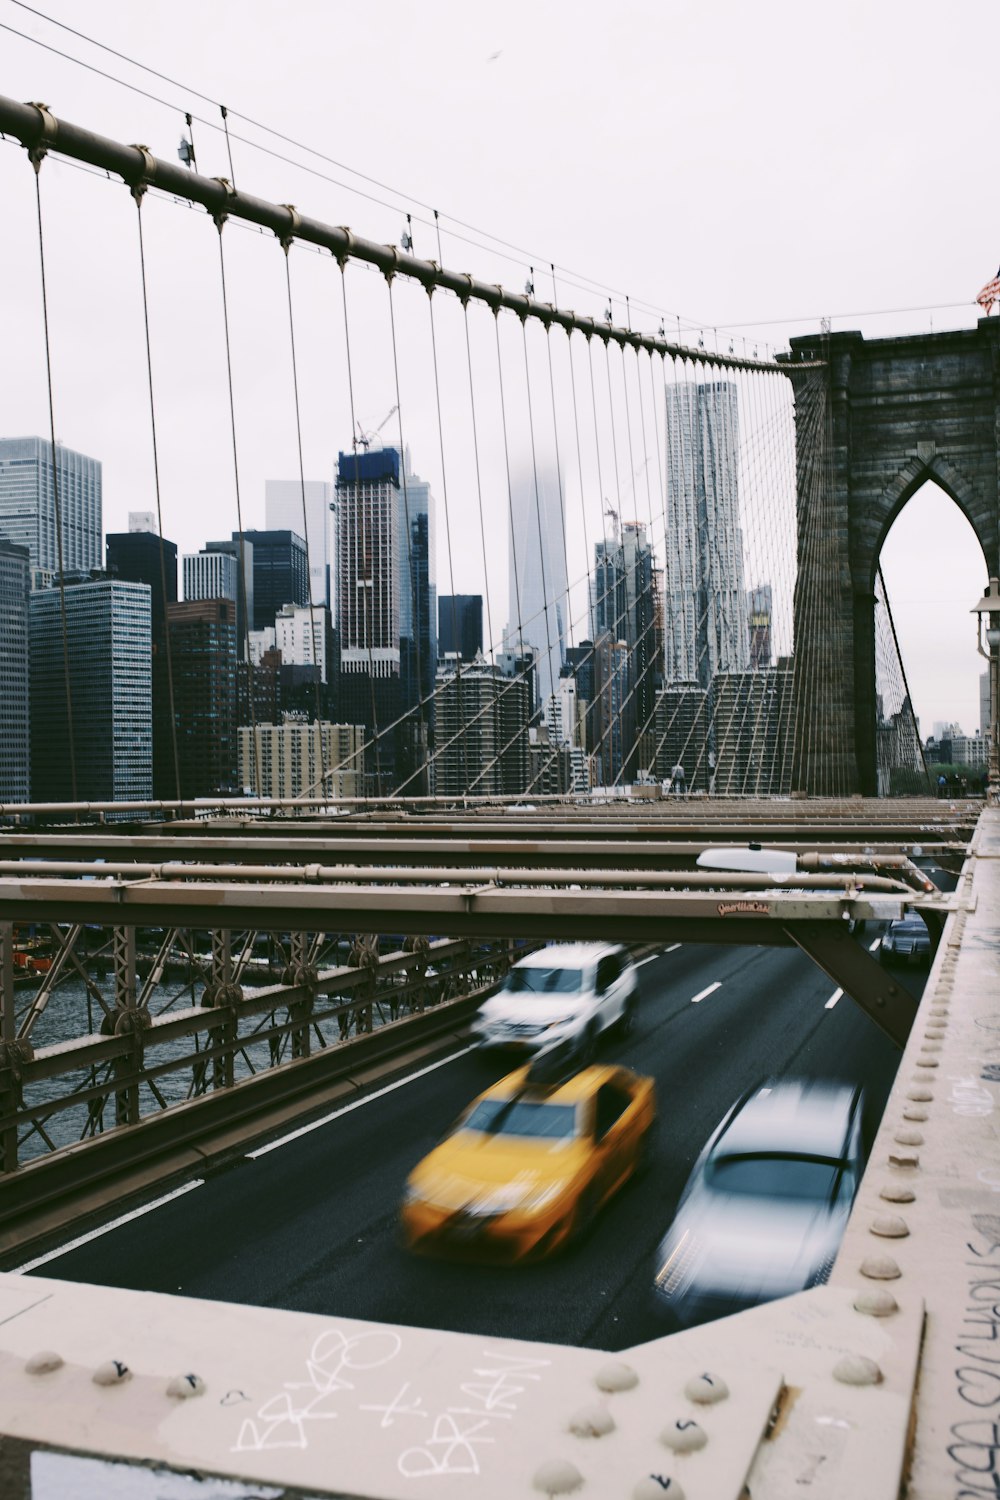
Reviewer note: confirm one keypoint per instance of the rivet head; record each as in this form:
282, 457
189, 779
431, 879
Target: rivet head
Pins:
683, 1436
183, 1386
936, 1033
557, 1477
857, 1369
592, 1421
880, 1268
896, 1192
938, 1010
890, 1227
903, 1158
909, 1138
930, 1047
916, 1112
43, 1363
928, 1062
706, 1389
657, 1487
112, 1372
920, 1094
616, 1376
877, 1303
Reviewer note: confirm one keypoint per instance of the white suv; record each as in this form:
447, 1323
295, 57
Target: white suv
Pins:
564, 995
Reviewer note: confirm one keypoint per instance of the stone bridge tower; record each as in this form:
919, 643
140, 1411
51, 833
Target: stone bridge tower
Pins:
879, 420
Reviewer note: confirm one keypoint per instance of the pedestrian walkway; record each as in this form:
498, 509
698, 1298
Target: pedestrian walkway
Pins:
930, 1202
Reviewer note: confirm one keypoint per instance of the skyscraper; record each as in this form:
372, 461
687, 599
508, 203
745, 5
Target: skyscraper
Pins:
203, 651
28, 504
482, 730
280, 574
367, 554
283, 512
460, 625
759, 606
387, 608
706, 603
139, 555
537, 579
418, 613
625, 605
109, 643
15, 771
210, 575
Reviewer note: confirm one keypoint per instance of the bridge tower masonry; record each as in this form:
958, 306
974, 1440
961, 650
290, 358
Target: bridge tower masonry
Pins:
897, 413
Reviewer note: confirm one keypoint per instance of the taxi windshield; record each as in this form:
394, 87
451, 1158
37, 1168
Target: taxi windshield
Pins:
523, 1117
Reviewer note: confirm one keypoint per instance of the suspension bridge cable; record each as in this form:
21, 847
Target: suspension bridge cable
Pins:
447, 512
515, 254
36, 161
241, 548
414, 582
361, 555
138, 194
314, 653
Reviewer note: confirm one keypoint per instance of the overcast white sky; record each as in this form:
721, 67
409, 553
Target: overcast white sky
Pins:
726, 162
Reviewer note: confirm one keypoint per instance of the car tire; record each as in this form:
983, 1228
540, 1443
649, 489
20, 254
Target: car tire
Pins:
644, 1155
587, 1049
625, 1024
585, 1217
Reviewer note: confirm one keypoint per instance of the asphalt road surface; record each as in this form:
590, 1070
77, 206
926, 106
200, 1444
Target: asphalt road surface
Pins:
312, 1225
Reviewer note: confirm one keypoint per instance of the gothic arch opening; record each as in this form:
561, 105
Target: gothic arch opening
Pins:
934, 570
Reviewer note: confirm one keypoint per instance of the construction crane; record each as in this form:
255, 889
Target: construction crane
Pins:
365, 439
609, 510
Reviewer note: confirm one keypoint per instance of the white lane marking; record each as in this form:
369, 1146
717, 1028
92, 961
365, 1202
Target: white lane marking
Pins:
673, 948
877, 944
648, 960
702, 994
95, 1234
345, 1109
837, 994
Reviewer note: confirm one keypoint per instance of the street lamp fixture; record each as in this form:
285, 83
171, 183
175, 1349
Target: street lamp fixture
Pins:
989, 606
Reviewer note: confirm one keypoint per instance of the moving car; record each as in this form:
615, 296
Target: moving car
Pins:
529, 1164
767, 1203
569, 992
906, 941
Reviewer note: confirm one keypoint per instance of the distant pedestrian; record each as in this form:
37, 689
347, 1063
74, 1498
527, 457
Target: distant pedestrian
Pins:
942, 785
678, 781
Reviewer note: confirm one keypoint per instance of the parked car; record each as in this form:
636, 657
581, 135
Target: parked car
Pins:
529, 1164
906, 941
568, 993
767, 1203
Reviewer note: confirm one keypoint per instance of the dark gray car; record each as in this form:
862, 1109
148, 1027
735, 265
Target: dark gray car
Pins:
906, 941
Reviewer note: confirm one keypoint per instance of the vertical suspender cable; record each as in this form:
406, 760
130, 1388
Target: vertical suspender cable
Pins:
242, 585
414, 587
286, 246
367, 613
36, 161
447, 517
542, 538
138, 195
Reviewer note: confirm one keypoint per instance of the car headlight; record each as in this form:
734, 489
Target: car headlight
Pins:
541, 1197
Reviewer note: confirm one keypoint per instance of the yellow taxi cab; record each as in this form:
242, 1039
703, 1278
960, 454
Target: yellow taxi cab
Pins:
529, 1164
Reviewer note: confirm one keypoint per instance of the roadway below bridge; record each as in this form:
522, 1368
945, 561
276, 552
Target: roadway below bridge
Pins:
310, 1223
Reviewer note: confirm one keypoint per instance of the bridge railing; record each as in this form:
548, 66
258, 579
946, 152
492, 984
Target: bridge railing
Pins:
229, 1055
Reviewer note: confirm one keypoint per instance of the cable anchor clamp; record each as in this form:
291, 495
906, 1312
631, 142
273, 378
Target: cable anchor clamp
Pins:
47, 138
222, 214
285, 240
343, 255
147, 174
